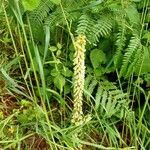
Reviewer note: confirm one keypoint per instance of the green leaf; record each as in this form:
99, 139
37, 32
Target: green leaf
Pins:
98, 72
55, 72
146, 63
147, 36
148, 17
30, 4
67, 89
53, 48
59, 82
59, 46
136, 0
133, 15
57, 2
97, 57
66, 72
35, 65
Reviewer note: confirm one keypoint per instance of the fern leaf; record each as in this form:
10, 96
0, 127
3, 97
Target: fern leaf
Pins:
104, 26
129, 55
120, 44
133, 15
109, 100
93, 29
103, 102
98, 97
84, 24
37, 17
41, 12
109, 105
134, 63
100, 28
88, 79
91, 88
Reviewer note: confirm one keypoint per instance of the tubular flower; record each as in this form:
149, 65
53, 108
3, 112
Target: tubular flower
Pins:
79, 75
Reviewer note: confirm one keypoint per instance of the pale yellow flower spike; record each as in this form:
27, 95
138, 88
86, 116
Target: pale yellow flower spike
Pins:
79, 74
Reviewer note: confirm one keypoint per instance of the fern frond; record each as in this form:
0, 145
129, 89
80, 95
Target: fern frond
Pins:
140, 62
56, 18
134, 64
113, 101
109, 100
93, 28
53, 19
104, 25
102, 28
92, 86
98, 97
41, 12
120, 44
129, 55
133, 16
84, 24
37, 17
88, 80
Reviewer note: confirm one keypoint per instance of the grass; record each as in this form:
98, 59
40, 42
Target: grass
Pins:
36, 116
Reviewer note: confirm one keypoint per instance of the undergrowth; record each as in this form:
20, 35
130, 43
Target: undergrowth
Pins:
74, 74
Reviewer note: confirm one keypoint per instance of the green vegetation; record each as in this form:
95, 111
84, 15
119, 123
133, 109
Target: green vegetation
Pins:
74, 75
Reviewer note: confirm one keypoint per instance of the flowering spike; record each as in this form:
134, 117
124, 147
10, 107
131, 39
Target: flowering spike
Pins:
79, 75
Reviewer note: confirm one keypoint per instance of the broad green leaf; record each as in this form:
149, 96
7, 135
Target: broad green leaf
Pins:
30, 4
97, 57
59, 82
57, 2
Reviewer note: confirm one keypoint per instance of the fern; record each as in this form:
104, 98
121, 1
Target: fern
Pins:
94, 28
37, 17
104, 26
94, 23
134, 64
53, 19
133, 17
109, 100
41, 12
120, 44
130, 57
91, 87
71, 8
56, 18
84, 24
